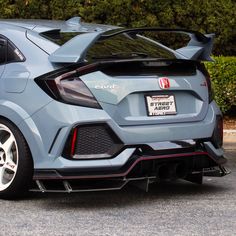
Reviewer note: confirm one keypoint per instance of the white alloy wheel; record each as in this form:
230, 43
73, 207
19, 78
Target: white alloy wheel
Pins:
9, 157
16, 163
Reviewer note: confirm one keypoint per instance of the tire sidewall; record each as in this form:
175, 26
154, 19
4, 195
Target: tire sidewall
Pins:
24, 173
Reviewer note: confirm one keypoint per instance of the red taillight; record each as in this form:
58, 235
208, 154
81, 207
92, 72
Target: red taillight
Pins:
210, 91
204, 71
220, 127
73, 141
68, 88
217, 137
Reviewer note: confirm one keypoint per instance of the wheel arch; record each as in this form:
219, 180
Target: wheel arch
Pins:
23, 121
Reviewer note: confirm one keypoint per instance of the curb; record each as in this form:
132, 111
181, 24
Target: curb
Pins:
229, 131
229, 139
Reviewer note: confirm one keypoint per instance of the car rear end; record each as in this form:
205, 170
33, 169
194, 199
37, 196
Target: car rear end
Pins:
131, 110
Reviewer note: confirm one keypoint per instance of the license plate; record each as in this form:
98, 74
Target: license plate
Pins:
161, 105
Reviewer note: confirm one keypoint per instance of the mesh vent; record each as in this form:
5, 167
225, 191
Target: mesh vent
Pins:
96, 141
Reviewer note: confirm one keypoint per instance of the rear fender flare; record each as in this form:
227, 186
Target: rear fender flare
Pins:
22, 120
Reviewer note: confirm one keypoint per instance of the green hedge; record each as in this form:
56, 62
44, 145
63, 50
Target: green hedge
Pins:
207, 16
211, 16
223, 76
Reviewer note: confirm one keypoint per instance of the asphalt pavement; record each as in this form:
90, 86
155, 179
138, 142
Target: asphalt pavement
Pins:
178, 208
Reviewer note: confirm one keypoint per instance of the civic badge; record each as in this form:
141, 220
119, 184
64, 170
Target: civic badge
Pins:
164, 83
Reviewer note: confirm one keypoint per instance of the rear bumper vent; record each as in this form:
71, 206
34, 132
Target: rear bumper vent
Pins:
92, 141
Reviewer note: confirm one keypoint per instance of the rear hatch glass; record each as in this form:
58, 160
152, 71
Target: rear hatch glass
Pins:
121, 46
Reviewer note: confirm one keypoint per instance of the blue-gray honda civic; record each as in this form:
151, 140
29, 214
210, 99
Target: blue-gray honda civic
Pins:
87, 107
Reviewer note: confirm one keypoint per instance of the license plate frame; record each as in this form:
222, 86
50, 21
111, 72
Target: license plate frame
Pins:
160, 105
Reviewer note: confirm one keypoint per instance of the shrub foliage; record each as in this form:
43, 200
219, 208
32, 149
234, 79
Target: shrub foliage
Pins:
223, 76
206, 16
211, 16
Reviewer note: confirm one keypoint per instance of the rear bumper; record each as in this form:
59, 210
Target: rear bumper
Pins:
133, 163
48, 139
149, 145
185, 159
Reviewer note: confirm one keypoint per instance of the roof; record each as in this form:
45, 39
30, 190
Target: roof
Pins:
72, 25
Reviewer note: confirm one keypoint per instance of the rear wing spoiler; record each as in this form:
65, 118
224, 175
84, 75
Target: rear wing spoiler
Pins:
199, 47
75, 49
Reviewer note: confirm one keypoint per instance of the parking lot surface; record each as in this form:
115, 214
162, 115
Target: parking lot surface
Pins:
178, 208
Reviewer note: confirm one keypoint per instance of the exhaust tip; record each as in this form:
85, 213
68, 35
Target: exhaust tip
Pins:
181, 170
163, 172
172, 171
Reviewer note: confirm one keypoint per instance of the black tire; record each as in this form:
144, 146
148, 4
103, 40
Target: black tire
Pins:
16, 165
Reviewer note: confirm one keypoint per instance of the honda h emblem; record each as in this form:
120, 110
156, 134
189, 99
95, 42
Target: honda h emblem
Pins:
164, 83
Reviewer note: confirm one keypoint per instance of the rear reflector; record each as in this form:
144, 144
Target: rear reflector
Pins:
73, 142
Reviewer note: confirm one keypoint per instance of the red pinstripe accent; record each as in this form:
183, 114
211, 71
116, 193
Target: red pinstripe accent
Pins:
126, 172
